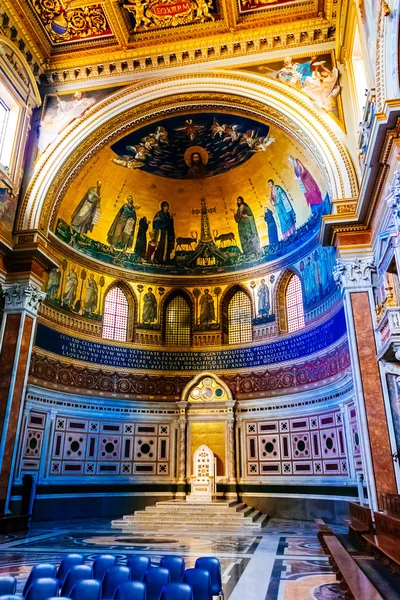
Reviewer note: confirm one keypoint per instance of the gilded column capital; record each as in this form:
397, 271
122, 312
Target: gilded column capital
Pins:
20, 297
354, 273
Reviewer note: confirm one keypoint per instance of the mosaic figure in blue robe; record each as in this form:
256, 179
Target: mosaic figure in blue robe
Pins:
286, 214
263, 299
310, 286
271, 226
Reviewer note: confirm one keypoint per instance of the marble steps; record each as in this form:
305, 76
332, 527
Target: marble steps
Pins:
175, 514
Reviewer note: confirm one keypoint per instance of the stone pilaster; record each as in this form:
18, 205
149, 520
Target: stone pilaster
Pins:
355, 277
21, 303
181, 450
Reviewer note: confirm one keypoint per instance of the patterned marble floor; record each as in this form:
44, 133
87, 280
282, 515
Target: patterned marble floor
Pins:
282, 562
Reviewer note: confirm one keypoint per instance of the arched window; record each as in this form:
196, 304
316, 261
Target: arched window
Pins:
115, 317
239, 319
178, 322
294, 304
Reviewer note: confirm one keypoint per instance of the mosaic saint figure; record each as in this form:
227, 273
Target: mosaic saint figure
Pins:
321, 260
284, 209
92, 295
163, 225
149, 306
207, 310
120, 235
310, 287
247, 229
263, 299
87, 212
53, 283
71, 285
271, 226
307, 183
141, 239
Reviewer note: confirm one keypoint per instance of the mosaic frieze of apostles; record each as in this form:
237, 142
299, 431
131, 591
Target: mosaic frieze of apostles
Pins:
316, 76
195, 194
59, 110
146, 15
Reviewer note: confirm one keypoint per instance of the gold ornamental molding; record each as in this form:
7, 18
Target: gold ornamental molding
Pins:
38, 207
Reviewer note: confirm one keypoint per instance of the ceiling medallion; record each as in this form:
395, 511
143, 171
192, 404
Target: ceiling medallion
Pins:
169, 13
68, 24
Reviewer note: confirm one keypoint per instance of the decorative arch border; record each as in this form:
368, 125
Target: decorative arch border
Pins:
280, 297
174, 293
138, 103
132, 305
193, 382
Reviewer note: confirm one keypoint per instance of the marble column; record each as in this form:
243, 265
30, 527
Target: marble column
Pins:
21, 303
231, 450
355, 277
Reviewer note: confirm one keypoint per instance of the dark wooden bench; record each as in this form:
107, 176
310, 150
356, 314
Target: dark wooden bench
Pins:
360, 520
12, 523
323, 529
390, 504
385, 543
353, 581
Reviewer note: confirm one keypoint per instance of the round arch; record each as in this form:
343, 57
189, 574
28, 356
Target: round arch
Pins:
132, 305
225, 300
35, 95
280, 297
251, 94
167, 299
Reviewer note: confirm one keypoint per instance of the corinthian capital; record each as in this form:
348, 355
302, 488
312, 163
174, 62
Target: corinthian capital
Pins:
19, 297
354, 273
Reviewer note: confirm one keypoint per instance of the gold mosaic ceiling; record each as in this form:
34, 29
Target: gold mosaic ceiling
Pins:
68, 30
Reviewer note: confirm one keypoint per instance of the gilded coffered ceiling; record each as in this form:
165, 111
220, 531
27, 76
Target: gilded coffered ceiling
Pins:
106, 36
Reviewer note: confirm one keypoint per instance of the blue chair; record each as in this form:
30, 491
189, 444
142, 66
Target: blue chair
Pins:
42, 588
155, 579
113, 577
7, 585
41, 570
175, 566
101, 563
177, 591
69, 561
74, 575
86, 589
130, 590
213, 566
200, 582
138, 565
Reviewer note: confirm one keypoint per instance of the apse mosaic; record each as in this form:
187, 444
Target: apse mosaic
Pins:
194, 194
316, 76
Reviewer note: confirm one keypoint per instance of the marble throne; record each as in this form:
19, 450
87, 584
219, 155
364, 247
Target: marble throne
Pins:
202, 480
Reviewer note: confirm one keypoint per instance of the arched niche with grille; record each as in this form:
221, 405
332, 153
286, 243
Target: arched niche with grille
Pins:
177, 319
289, 301
119, 311
237, 325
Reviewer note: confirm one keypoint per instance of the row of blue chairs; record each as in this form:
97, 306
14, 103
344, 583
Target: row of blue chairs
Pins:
105, 580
